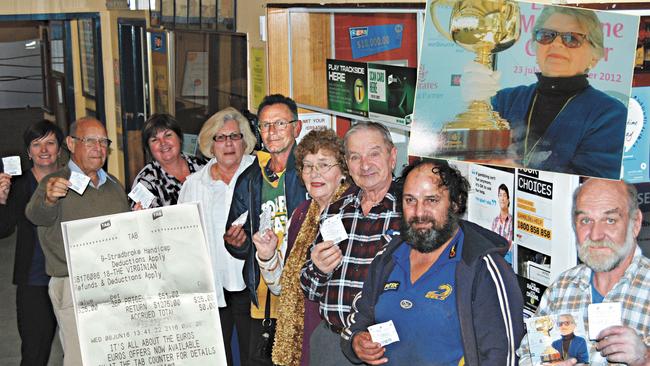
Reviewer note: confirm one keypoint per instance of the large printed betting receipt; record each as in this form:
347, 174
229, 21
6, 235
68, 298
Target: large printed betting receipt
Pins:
143, 290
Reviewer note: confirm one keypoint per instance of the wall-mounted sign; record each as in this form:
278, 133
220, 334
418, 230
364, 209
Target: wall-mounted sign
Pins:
391, 92
347, 89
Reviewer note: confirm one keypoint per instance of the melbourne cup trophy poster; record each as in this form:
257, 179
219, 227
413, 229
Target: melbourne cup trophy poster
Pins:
524, 85
143, 289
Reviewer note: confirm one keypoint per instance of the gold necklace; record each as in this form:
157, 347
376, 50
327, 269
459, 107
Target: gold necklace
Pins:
528, 154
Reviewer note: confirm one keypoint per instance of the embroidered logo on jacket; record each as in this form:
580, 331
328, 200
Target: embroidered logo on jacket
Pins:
391, 286
441, 293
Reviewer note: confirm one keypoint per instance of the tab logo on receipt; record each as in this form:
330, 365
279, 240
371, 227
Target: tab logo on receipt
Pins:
156, 214
105, 224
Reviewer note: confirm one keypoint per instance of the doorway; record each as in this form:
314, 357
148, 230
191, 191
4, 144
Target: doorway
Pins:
134, 93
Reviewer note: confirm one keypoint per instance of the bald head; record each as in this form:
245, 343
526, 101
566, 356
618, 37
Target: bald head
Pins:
88, 144
607, 221
594, 187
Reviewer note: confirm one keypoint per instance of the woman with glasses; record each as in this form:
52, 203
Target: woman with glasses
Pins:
36, 320
226, 138
165, 174
320, 162
561, 123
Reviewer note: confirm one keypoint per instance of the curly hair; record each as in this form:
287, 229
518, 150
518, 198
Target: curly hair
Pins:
321, 139
450, 177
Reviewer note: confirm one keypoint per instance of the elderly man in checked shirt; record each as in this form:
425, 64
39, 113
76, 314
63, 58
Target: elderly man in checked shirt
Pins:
607, 220
335, 272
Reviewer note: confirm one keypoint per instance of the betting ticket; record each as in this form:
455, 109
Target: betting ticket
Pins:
603, 315
383, 333
79, 182
332, 229
141, 194
11, 165
241, 220
266, 218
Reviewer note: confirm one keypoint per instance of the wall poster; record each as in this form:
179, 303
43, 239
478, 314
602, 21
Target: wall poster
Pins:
454, 115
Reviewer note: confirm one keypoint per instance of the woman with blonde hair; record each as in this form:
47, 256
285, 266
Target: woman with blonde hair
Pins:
226, 138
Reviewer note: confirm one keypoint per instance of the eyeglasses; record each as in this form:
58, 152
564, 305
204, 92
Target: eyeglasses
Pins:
280, 125
569, 39
564, 323
232, 137
320, 168
93, 141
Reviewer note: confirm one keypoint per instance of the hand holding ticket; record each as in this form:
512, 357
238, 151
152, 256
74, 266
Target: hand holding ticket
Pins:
384, 333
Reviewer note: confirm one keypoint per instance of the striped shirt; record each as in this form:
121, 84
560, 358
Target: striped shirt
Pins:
571, 292
503, 228
367, 236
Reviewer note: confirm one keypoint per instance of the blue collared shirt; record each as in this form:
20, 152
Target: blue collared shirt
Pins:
101, 174
424, 313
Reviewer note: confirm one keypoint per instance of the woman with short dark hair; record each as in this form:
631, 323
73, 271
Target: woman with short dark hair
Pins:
165, 174
36, 320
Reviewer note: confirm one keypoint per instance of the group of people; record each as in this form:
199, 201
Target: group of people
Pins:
406, 255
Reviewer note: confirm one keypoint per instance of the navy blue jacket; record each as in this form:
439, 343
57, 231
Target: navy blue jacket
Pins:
586, 138
491, 322
248, 197
577, 349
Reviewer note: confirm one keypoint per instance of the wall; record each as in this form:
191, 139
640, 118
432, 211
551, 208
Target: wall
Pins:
44, 6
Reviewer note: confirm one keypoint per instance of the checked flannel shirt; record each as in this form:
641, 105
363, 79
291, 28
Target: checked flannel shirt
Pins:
367, 236
571, 292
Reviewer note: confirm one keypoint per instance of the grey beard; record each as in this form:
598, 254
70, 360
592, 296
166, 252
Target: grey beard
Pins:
609, 263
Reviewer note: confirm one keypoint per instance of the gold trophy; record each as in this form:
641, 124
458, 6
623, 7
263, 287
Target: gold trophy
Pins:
484, 27
544, 325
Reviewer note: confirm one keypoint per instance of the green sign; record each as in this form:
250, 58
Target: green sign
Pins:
347, 89
391, 91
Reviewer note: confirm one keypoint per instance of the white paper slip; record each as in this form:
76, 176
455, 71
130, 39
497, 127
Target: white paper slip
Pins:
383, 333
266, 218
241, 220
141, 194
12, 165
332, 229
602, 316
79, 182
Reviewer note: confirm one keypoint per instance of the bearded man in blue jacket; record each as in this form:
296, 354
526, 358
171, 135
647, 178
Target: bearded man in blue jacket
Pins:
452, 298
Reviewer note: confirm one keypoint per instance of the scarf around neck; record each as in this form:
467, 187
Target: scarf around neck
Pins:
287, 347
